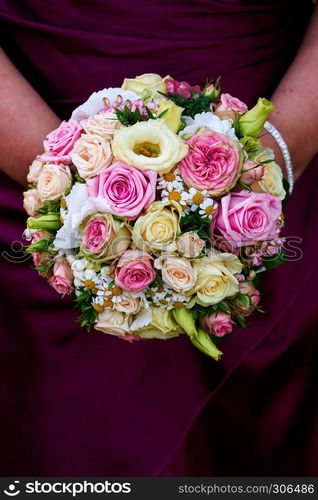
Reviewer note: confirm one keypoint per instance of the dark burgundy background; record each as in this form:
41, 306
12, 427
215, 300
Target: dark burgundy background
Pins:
78, 404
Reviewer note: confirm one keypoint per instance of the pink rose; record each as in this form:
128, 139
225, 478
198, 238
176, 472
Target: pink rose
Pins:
251, 172
59, 143
183, 89
212, 163
97, 234
40, 258
218, 324
253, 295
246, 217
229, 103
104, 237
131, 338
247, 288
127, 190
134, 271
62, 279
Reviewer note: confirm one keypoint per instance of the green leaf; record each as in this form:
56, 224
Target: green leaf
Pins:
45, 268
201, 311
275, 260
192, 105
241, 321
127, 117
223, 307
78, 178
158, 281
50, 207
83, 302
198, 224
149, 113
162, 114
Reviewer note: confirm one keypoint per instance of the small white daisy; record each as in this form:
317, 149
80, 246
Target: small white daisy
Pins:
208, 208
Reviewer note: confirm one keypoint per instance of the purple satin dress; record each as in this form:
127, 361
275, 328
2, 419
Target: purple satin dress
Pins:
75, 404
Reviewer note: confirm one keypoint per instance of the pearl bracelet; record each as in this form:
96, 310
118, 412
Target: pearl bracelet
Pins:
285, 152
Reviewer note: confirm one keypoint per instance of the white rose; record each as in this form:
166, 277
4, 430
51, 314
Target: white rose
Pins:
53, 181
34, 171
215, 279
103, 125
176, 272
31, 202
91, 154
190, 244
113, 323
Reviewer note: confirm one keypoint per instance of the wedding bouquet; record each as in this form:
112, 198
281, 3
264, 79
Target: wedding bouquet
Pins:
156, 207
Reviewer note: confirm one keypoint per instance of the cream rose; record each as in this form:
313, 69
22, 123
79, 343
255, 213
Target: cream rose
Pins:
176, 272
215, 279
91, 153
103, 125
148, 85
158, 228
149, 145
31, 202
113, 322
162, 326
34, 171
272, 181
190, 244
128, 304
53, 181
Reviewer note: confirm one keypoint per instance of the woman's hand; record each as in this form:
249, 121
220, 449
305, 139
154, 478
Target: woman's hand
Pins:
296, 105
25, 121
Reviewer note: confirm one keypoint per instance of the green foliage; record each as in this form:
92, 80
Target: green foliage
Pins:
200, 311
45, 268
78, 178
192, 105
158, 281
50, 207
127, 117
275, 260
198, 224
83, 302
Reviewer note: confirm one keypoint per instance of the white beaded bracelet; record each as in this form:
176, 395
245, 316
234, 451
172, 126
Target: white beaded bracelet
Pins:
285, 152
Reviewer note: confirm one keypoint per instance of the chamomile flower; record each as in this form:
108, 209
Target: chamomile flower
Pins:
116, 299
99, 300
170, 182
208, 208
193, 198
